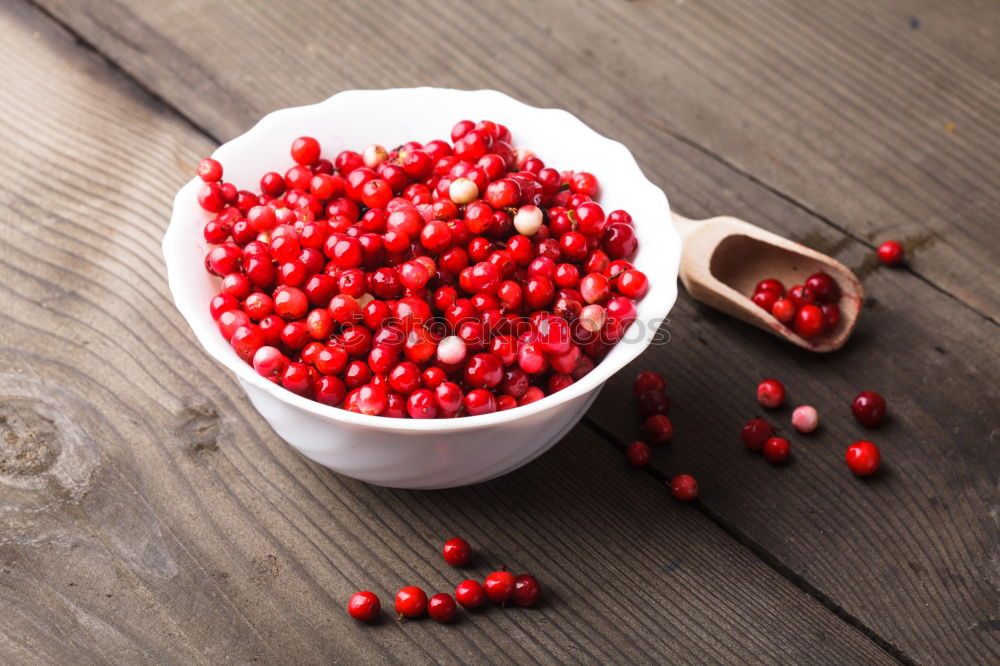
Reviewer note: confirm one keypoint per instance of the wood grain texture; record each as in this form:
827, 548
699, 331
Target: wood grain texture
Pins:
147, 514
841, 107
922, 575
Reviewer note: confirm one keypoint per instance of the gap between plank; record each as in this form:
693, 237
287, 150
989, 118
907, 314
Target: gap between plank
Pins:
764, 555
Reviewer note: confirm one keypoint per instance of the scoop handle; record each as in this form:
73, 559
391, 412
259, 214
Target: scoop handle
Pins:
685, 226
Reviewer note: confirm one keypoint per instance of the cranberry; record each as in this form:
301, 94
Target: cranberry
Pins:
863, 458
800, 296
638, 454
805, 419
479, 401
658, 429
783, 310
305, 150
411, 601
470, 594
364, 606
868, 408
823, 287
890, 253
755, 433
831, 315
620, 241
810, 322
647, 380
633, 284
457, 552
770, 284
771, 393
422, 405
527, 590
765, 299
654, 402
776, 450
499, 586
442, 607
684, 487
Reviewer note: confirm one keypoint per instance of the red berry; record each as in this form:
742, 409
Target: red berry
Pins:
527, 590
770, 284
305, 150
801, 295
647, 380
684, 487
210, 170
765, 299
470, 594
823, 287
805, 418
771, 393
658, 429
654, 402
755, 433
783, 310
499, 586
810, 322
457, 552
831, 315
638, 454
442, 607
364, 606
890, 252
411, 601
776, 450
863, 458
868, 408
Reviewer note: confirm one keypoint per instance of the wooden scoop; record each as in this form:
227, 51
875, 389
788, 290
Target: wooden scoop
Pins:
724, 258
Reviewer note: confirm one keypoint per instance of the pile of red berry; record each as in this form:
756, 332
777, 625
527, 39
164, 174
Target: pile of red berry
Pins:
862, 457
431, 280
810, 309
500, 587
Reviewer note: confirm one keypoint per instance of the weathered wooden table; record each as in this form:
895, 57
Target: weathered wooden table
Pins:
148, 514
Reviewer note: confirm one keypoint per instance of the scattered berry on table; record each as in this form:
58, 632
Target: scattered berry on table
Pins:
637, 453
441, 607
499, 586
648, 380
863, 458
868, 408
658, 429
776, 450
470, 594
527, 590
771, 393
684, 487
364, 606
890, 253
755, 432
805, 419
457, 552
411, 601
654, 402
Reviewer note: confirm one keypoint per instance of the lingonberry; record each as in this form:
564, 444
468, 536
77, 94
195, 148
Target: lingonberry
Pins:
770, 284
810, 322
776, 450
890, 253
831, 315
527, 590
638, 453
765, 299
771, 393
654, 402
658, 429
868, 408
648, 380
783, 310
800, 296
457, 552
411, 601
470, 594
755, 432
684, 487
305, 150
499, 586
823, 287
805, 419
364, 606
863, 458
441, 607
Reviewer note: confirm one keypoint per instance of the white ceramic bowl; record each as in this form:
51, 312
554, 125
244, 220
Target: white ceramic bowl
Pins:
437, 453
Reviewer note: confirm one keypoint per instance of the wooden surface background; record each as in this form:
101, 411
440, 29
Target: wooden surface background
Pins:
148, 514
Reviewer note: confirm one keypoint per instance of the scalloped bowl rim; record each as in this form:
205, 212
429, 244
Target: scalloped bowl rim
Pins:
176, 243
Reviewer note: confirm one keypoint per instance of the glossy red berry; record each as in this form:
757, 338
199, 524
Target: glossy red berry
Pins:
868, 408
499, 586
658, 429
305, 150
654, 402
783, 310
755, 432
364, 606
771, 393
810, 322
638, 453
776, 450
765, 299
647, 380
210, 170
684, 487
890, 253
770, 284
441, 607
457, 552
527, 590
823, 287
863, 458
411, 601
470, 594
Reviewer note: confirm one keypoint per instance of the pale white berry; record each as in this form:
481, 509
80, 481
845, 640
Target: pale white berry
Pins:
592, 317
522, 155
451, 350
462, 191
528, 220
805, 418
373, 155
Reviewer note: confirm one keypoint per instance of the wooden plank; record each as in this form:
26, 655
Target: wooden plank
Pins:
841, 107
150, 515
797, 515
